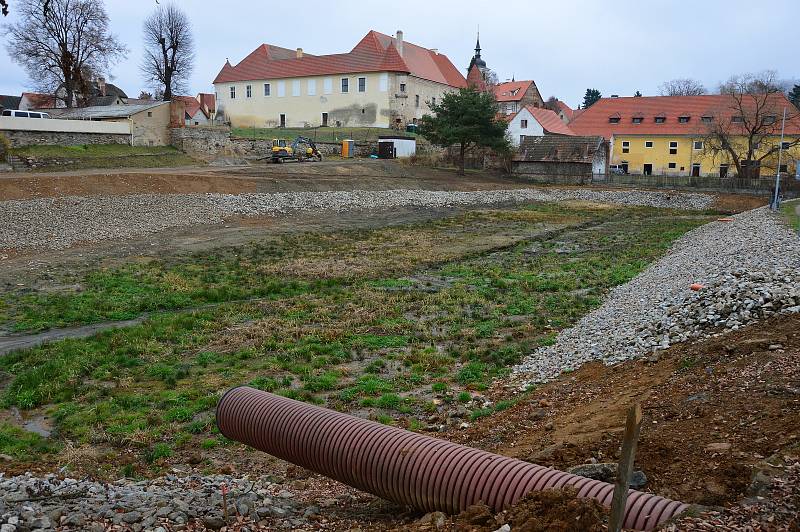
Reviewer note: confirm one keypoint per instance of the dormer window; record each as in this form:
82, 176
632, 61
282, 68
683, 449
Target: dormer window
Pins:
737, 119
706, 119
638, 119
613, 120
769, 120
660, 119
683, 119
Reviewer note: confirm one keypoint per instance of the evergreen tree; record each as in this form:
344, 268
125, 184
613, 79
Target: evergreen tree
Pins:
467, 118
794, 96
591, 96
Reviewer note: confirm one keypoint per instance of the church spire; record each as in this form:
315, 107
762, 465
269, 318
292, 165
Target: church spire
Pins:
476, 59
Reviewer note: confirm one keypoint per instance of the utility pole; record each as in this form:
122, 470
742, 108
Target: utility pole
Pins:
774, 205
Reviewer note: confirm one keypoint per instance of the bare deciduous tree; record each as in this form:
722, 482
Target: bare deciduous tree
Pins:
748, 131
61, 43
169, 50
682, 87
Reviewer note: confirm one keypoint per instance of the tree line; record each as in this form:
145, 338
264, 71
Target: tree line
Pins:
65, 45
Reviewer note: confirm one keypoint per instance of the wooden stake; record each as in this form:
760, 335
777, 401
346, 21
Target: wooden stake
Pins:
625, 468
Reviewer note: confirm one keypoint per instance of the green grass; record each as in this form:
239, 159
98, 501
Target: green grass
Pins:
106, 156
334, 338
789, 209
320, 134
23, 445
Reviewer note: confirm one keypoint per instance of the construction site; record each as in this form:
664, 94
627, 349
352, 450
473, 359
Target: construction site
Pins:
371, 345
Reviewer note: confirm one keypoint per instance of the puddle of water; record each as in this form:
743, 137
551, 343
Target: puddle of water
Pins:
14, 343
41, 425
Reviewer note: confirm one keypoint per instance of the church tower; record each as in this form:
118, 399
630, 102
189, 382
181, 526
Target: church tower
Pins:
476, 73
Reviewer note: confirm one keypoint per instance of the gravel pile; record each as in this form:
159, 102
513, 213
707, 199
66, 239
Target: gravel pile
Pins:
749, 269
167, 503
58, 223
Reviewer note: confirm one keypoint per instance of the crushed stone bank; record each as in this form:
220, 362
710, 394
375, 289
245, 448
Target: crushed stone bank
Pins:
749, 269
58, 223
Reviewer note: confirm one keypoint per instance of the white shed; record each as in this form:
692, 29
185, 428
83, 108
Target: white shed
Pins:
391, 147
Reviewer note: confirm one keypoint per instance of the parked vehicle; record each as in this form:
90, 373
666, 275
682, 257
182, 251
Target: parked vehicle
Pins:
25, 114
301, 149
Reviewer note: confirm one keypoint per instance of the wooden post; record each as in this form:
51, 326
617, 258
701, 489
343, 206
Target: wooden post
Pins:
625, 468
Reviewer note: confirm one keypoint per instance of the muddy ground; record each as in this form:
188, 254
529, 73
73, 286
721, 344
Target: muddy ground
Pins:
715, 411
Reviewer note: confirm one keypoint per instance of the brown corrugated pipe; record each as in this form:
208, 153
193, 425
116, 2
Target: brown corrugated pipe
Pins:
408, 468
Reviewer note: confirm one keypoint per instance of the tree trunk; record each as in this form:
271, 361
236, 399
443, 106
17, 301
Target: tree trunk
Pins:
461, 170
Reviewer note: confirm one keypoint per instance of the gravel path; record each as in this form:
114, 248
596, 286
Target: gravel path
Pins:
58, 223
749, 269
159, 505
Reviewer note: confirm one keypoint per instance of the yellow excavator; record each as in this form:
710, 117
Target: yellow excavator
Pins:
300, 149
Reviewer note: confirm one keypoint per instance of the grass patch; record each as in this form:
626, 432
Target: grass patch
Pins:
789, 209
23, 445
105, 156
329, 330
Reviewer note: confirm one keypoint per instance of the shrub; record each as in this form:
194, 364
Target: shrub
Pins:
5, 147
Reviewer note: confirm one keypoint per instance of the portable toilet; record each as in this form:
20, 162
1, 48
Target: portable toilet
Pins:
348, 148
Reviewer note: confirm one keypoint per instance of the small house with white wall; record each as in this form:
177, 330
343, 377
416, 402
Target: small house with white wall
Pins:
535, 122
394, 146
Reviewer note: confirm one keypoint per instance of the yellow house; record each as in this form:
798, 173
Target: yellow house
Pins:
383, 81
675, 135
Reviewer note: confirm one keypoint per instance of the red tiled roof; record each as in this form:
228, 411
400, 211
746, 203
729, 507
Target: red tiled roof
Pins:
511, 91
549, 120
595, 119
40, 101
191, 104
376, 52
208, 101
566, 109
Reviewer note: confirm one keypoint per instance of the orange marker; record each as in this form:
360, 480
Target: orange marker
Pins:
696, 287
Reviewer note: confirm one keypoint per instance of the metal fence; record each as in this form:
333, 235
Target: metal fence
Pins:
756, 186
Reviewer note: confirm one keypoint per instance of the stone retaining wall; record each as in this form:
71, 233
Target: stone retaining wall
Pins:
19, 138
212, 142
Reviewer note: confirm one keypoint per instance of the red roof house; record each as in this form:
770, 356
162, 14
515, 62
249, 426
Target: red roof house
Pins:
383, 81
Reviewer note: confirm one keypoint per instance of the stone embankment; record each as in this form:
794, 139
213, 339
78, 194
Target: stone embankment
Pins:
748, 269
58, 223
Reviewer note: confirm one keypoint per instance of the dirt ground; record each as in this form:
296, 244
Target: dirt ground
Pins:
266, 178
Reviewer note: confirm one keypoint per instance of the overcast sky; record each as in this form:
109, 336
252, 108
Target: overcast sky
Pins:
616, 46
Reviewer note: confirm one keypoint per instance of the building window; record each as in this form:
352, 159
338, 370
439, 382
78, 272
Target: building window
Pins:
416, 100
673, 147
683, 119
233, 93
312, 87
523, 124
770, 119
327, 85
295, 87
637, 119
249, 91
613, 120
402, 87
737, 119
266, 89
281, 89
672, 166
786, 145
661, 119
149, 113
783, 169
433, 101
345, 85
648, 144
698, 145
626, 146
362, 84
706, 119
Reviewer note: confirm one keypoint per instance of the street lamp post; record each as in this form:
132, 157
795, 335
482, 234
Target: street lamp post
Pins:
774, 204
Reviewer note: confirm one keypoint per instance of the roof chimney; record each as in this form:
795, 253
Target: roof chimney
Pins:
615, 95
399, 38
299, 53
435, 51
101, 85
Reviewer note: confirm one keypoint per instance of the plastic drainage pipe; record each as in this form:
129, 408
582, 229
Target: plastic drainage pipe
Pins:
408, 468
